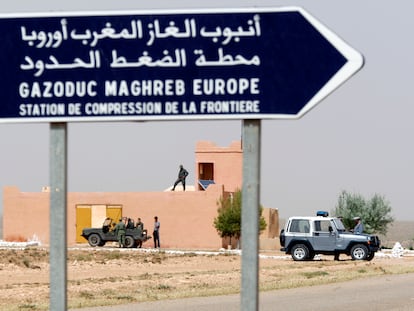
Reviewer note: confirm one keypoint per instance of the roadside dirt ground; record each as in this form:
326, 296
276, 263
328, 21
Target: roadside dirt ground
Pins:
110, 276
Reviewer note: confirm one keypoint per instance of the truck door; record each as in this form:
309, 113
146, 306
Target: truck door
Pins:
324, 235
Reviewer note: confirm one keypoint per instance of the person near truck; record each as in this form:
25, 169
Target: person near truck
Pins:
156, 232
130, 224
359, 227
140, 226
120, 230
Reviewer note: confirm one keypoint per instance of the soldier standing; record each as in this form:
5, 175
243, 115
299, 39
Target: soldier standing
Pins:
182, 175
140, 227
140, 224
120, 230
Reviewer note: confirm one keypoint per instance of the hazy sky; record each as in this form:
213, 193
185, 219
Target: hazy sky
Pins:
358, 139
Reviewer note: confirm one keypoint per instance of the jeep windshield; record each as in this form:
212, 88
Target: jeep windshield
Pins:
339, 225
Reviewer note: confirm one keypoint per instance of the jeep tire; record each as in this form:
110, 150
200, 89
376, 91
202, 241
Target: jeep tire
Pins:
370, 256
311, 255
129, 242
94, 240
282, 238
359, 252
300, 252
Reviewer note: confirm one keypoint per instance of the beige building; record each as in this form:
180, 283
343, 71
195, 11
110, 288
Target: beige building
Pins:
186, 217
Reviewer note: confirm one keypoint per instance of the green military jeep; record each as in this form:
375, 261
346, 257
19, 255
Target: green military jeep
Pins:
134, 237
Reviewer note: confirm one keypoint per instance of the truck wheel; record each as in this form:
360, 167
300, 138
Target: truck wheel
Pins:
359, 252
300, 252
370, 256
129, 241
94, 240
282, 238
311, 255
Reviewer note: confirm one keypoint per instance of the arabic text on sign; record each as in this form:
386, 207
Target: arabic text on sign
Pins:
135, 31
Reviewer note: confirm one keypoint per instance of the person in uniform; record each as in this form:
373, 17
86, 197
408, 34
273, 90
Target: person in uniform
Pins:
182, 175
140, 227
130, 224
359, 227
140, 224
120, 230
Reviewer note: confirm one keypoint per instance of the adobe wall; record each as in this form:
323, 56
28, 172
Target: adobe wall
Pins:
25, 215
186, 217
269, 238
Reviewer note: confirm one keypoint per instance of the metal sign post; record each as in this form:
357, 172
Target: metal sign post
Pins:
58, 232
250, 215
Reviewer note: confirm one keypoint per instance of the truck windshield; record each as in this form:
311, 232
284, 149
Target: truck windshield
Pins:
338, 224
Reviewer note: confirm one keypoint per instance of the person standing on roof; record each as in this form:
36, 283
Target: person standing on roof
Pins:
182, 175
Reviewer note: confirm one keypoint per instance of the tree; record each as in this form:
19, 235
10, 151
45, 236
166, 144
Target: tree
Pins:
228, 221
375, 213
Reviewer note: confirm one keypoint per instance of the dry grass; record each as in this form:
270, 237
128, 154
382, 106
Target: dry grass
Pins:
110, 276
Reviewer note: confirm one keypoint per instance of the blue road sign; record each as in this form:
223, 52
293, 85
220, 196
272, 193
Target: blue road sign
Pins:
173, 65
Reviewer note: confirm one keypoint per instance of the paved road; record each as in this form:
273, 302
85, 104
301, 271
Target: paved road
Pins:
385, 293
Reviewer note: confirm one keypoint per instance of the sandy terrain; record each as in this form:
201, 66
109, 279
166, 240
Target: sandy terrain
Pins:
105, 276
